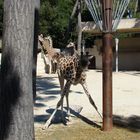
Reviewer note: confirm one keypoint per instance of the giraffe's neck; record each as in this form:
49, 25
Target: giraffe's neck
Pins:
49, 39
47, 46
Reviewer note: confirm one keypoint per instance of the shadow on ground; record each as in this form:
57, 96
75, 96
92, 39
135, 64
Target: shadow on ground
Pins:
47, 87
46, 84
75, 112
131, 123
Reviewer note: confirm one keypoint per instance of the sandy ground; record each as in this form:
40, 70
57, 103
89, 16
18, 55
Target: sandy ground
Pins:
126, 95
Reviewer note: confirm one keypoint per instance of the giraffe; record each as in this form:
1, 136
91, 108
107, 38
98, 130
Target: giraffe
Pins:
46, 43
47, 51
72, 68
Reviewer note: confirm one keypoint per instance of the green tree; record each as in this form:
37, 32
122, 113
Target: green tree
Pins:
134, 6
54, 18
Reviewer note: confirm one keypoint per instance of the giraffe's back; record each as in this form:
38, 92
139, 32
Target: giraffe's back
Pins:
70, 69
68, 66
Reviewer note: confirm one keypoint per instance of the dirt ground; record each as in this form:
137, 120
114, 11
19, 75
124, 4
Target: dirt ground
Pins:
85, 123
80, 130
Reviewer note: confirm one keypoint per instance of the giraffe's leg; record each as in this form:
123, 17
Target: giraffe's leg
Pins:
67, 100
65, 91
50, 67
57, 106
62, 115
61, 82
68, 108
45, 61
90, 98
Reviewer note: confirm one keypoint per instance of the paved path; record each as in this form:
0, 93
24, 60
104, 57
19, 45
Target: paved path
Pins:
126, 95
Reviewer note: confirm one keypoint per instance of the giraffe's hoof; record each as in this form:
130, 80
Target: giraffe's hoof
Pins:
69, 118
46, 126
63, 120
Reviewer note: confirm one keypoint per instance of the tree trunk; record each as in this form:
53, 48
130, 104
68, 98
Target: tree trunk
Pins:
70, 21
16, 96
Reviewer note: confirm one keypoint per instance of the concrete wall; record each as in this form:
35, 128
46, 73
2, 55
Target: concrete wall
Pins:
126, 60
129, 54
129, 61
98, 58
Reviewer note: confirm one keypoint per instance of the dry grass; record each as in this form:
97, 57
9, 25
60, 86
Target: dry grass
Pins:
83, 131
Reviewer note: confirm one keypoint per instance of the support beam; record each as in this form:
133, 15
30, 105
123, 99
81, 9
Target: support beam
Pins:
107, 65
107, 81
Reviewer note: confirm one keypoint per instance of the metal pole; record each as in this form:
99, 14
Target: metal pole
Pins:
107, 65
107, 81
79, 28
117, 45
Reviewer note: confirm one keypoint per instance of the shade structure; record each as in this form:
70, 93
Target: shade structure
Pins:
125, 26
96, 9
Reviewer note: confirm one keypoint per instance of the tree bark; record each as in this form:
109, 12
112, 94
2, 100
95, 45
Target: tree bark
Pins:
16, 95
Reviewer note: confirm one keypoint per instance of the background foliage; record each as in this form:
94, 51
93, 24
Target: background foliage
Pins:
54, 18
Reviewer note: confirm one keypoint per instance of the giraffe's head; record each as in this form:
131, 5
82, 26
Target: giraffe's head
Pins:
46, 43
43, 40
70, 49
71, 44
85, 61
